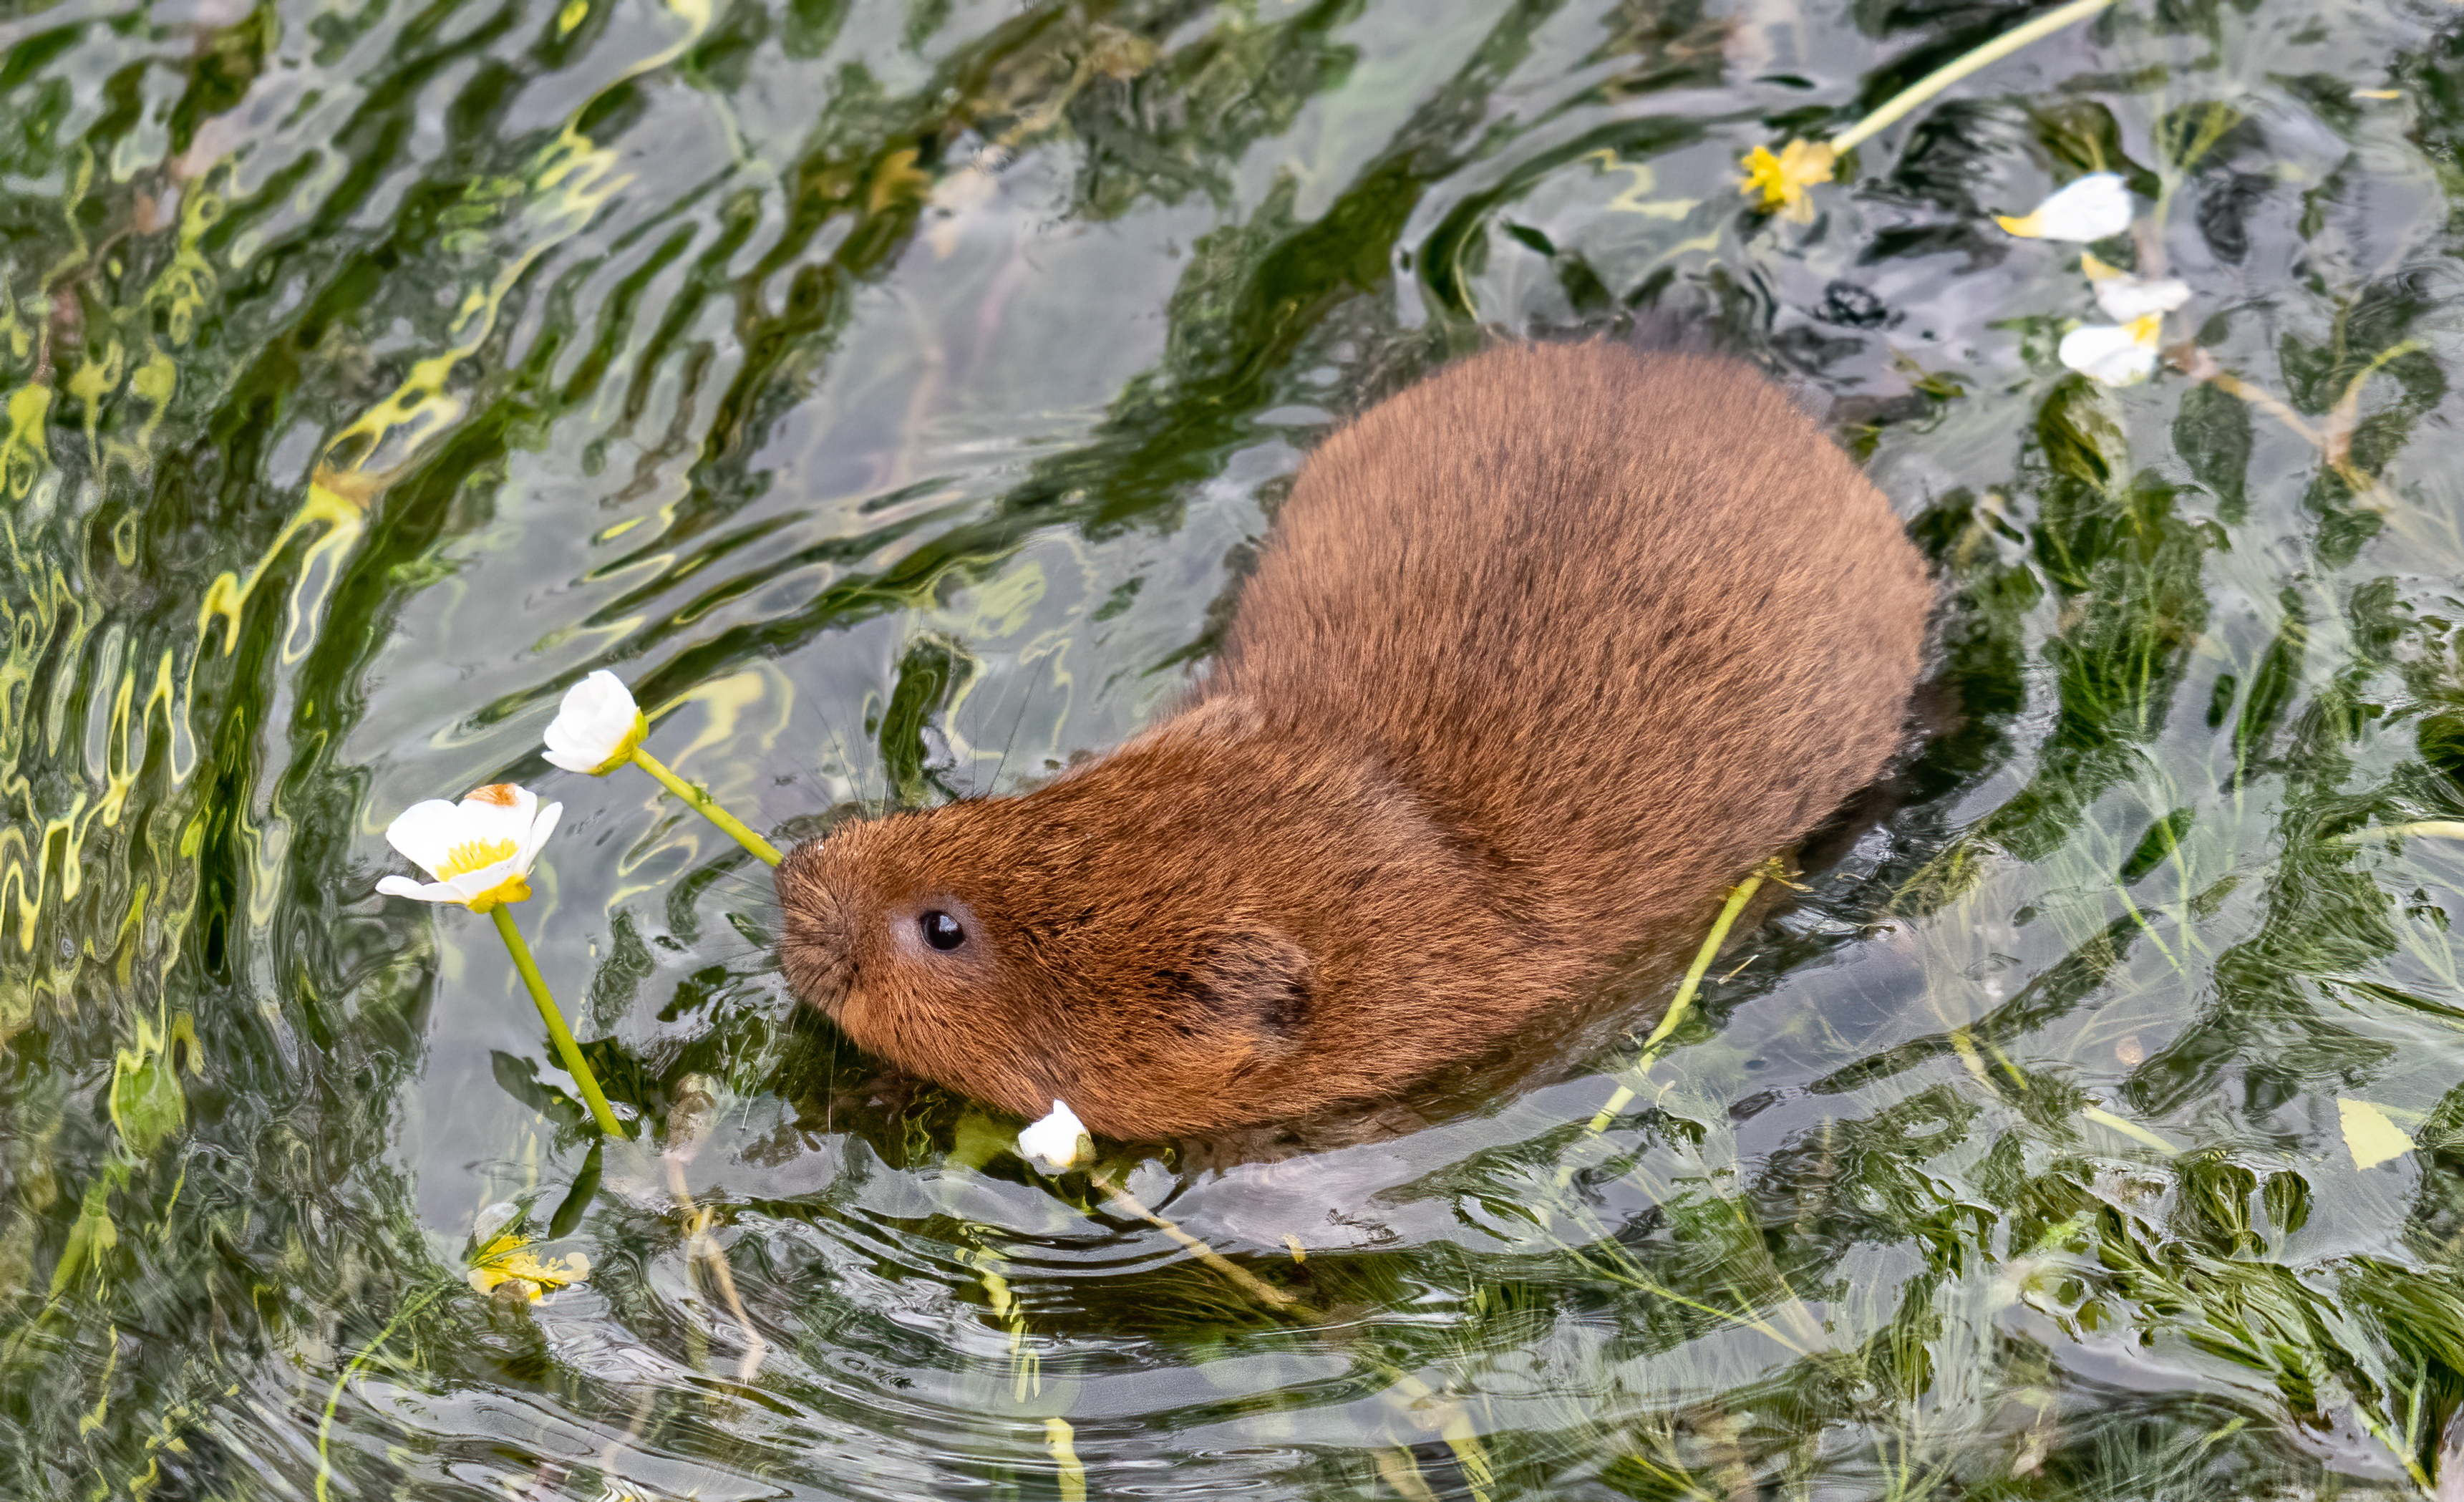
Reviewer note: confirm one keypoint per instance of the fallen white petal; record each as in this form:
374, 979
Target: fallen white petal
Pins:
2091, 209
2117, 355
1059, 1141
2125, 299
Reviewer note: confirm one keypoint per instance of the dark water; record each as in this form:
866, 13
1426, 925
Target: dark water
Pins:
891, 392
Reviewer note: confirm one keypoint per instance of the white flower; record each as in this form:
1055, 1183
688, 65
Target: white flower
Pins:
597, 726
2124, 296
1060, 1140
2094, 206
479, 850
2114, 354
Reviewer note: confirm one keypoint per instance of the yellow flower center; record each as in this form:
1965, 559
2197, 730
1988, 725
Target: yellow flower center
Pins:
473, 855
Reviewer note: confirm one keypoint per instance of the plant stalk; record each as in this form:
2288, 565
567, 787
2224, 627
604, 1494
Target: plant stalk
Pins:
707, 807
566, 1049
1898, 107
1738, 896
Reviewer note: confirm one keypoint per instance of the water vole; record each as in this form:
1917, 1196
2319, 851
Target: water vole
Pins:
1540, 656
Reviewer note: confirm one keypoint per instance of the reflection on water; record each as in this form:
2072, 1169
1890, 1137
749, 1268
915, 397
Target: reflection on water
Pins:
891, 394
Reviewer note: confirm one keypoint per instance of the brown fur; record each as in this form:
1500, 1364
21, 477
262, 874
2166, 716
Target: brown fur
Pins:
1542, 655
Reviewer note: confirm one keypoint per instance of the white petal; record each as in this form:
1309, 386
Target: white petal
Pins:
404, 887
595, 717
427, 832
2114, 354
2091, 209
486, 880
1060, 1140
2127, 298
438, 834
497, 811
540, 828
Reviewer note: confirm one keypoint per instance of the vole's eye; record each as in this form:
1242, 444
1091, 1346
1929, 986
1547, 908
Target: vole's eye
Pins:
941, 931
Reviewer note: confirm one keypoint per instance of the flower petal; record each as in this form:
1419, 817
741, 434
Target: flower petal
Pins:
2091, 209
479, 850
499, 813
2114, 354
404, 887
540, 828
513, 887
596, 725
427, 832
2125, 299
1059, 1141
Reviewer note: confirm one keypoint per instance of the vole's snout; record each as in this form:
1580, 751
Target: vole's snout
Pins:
816, 946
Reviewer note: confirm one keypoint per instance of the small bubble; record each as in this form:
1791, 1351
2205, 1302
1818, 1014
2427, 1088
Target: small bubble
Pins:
2129, 1051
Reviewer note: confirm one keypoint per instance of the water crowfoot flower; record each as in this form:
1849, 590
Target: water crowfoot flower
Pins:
2114, 354
480, 850
2124, 296
1060, 1140
599, 728
2091, 209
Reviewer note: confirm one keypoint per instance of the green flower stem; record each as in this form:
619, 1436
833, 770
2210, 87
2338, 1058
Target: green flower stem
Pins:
1960, 67
707, 807
566, 1049
1738, 896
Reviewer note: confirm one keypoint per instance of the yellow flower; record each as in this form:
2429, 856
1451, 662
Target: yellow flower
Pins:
506, 1262
480, 850
1783, 178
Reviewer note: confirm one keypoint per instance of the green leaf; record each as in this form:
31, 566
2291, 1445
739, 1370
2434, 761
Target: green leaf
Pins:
2213, 431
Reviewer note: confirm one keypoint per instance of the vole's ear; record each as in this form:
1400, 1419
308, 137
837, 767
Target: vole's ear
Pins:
1256, 980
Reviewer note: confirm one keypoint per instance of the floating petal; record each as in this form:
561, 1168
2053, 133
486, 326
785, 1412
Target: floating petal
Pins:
2124, 297
2114, 354
2091, 209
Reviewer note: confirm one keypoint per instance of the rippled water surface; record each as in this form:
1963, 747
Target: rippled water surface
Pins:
893, 391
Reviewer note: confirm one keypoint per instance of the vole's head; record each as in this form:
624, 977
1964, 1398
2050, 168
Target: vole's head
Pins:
1176, 939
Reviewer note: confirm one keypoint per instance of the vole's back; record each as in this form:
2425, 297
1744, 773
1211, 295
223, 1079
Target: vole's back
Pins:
1630, 620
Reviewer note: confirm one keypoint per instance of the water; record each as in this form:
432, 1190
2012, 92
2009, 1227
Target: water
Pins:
892, 395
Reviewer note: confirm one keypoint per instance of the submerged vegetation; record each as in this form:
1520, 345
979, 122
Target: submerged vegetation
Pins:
891, 392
